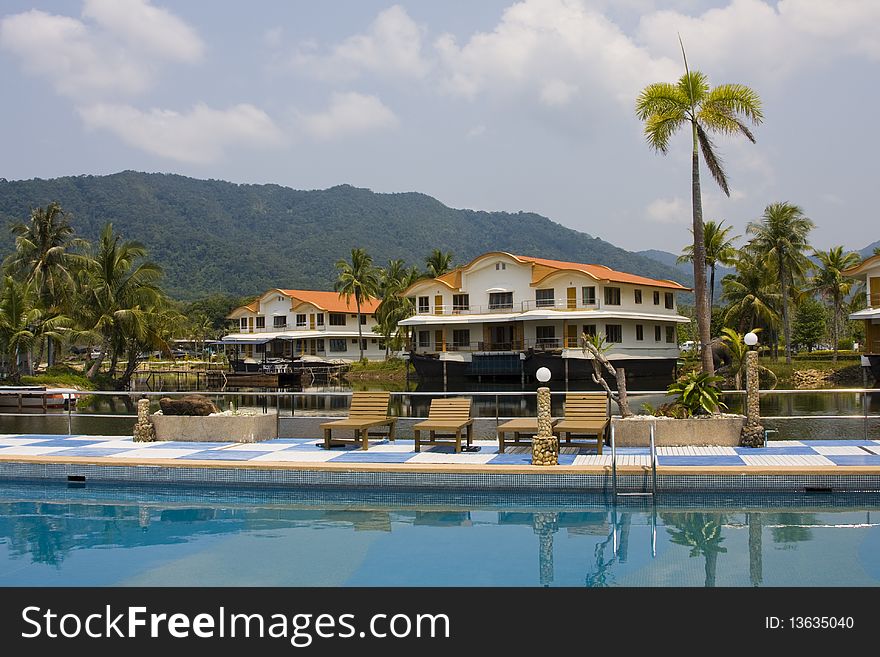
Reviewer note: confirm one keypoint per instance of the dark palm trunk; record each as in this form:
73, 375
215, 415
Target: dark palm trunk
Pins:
835, 328
756, 575
93, 371
701, 297
786, 325
360, 330
711, 567
711, 289
129, 369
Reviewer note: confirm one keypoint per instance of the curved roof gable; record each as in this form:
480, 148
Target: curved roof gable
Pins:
861, 269
545, 267
330, 301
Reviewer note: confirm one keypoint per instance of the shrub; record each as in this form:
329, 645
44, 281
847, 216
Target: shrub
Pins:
697, 393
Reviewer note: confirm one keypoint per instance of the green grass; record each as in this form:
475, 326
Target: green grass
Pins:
390, 365
61, 376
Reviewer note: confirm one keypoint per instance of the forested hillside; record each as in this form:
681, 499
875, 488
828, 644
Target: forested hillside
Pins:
213, 236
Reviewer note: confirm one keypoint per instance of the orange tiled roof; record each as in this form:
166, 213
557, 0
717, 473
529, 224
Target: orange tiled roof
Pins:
601, 272
331, 301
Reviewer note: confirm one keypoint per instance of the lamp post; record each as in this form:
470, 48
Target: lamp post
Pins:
753, 432
545, 447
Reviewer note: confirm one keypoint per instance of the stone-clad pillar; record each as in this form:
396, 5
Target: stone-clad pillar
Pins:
144, 432
545, 446
753, 432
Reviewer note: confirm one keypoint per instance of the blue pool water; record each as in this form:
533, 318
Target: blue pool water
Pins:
103, 535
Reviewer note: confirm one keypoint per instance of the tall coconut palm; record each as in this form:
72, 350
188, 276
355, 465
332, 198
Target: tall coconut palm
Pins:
438, 263
719, 251
358, 279
23, 322
116, 294
828, 281
750, 293
780, 238
691, 103
43, 256
394, 307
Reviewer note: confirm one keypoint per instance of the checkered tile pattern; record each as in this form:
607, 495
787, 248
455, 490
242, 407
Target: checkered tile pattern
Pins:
791, 453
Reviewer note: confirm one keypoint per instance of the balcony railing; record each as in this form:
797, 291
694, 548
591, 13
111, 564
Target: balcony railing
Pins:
541, 344
285, 327
516, 307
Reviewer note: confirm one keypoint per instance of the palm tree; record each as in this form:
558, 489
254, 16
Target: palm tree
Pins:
358, 279
780, 238
666, 107
438, 263
392, 281
117, 294
834, 286
750, 293
23, 323
701, 532
42, 256
719, 250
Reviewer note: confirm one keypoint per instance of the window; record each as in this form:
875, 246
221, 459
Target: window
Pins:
261, 322
319, 319
614, 333
544, 297
363, 318
638, 296
424, 305
656, 298
656, 334
243, 323
612, 296
500, 265
670, 334
590, 329
669, 298
319, 344
338, 344
337, 319
500, 300
640, 332
589, 295
382, 344
300, 320
460, 302
279, 321
545, 336
363, 343
260, 348
461, 338
424, 339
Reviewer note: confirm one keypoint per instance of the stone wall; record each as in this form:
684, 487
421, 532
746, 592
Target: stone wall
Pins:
216, 428
671, 432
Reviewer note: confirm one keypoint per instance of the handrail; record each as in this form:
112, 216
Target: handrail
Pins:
653, 452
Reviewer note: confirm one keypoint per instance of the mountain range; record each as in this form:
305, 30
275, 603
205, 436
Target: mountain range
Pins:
213, 236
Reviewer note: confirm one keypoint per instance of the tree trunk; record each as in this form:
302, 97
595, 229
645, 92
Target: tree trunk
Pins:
701, 296
114, 360
93, 371
756, 575
129, 369
39, 358
786, 325
711, 291
835, 329
360, 331
622, 400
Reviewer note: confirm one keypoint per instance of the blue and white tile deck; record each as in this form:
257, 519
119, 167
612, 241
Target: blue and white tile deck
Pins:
290, 451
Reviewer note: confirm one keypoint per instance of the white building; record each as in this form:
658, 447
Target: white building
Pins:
507, 314
304, 323
869, 272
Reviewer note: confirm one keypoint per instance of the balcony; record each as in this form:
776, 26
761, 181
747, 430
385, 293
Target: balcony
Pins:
516, 307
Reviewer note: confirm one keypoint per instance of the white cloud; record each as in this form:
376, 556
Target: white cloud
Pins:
118, 51
392, 46
62, 49
145, 27
548, 49
669, 211
349, 113
201, 135
759, 39
273, 37
476, 131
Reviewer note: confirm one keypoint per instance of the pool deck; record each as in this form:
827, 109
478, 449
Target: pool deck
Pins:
832, 464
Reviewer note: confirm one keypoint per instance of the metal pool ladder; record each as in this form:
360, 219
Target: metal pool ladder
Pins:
614, 487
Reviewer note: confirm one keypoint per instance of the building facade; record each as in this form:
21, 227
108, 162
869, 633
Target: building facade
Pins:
869, 272
507, 314
308, 324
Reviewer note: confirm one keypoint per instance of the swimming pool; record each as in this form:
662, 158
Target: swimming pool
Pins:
107, 535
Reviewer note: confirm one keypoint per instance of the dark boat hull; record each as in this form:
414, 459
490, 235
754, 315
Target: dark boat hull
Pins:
561, 369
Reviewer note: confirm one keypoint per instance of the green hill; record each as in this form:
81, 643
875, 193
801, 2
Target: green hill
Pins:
215, 236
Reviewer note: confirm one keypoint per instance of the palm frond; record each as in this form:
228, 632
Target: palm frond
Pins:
713, 162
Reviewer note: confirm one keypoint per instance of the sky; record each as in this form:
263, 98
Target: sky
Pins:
488, 104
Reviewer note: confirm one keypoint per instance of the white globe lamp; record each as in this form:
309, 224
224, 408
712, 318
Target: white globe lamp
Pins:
751, 339
543, 374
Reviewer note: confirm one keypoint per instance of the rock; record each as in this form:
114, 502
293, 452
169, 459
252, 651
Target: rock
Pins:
188, 405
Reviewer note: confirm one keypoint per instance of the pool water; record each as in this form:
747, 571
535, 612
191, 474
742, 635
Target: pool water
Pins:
101, 535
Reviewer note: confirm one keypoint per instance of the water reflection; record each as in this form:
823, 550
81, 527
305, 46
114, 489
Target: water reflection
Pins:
54, 535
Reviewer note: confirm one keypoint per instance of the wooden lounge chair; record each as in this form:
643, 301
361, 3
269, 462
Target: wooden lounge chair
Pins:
449, 417
517, 426
367, 410
584, 415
